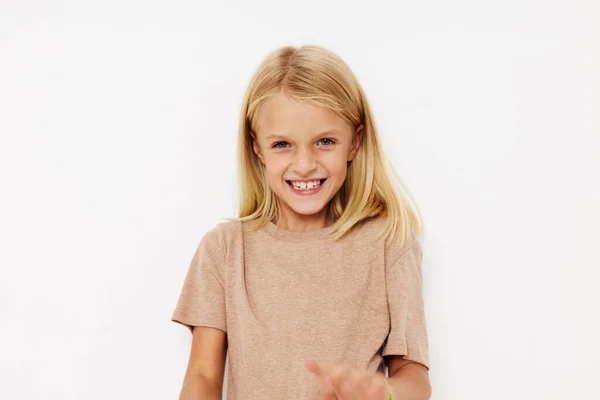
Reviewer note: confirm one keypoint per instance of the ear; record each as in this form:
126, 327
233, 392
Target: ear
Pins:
256, 147
360, 130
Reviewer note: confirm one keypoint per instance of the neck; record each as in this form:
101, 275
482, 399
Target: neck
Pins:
304, 223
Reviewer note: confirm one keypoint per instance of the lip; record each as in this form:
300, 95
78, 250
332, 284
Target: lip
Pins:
306, 180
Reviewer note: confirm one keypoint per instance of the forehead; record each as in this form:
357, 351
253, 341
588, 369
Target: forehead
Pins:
281, 115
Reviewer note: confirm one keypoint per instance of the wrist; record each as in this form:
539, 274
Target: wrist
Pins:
390, 390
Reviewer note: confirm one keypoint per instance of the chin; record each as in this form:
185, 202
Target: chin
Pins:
307, 211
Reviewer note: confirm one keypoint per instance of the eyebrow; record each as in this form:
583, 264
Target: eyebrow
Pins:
328, 132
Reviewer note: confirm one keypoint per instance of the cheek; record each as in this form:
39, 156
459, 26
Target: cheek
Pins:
276, 167
337, 166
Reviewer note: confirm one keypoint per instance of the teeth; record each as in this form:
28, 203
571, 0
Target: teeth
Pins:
306, 185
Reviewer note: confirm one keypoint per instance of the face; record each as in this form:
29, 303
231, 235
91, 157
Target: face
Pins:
305, 150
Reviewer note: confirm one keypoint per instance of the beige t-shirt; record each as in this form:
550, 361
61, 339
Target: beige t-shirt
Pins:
286, 297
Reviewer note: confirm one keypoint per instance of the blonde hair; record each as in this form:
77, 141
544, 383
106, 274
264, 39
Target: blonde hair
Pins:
316, 75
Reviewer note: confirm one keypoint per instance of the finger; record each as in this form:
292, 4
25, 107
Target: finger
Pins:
329, 396
361, 384
326, 395
315, 367
378, 387
322, 373
327, 391
359, 381
338, 375
349, 382
326, 383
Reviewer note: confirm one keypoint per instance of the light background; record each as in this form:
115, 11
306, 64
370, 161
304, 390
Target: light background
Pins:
118, 124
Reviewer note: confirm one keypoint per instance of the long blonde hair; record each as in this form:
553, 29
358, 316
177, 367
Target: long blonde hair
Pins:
319, 77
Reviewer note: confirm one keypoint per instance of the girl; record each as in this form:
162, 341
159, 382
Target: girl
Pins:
316, 287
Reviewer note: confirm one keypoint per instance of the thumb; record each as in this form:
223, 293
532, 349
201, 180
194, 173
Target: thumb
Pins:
314, 367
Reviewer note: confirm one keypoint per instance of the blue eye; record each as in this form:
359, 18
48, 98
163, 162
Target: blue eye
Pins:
280, 145
326, 142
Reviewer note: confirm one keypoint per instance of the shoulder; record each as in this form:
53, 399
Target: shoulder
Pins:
373, 230
234, 232
224, 232
220, 234
217, 241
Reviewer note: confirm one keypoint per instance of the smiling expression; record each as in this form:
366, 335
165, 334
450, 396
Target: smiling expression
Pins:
305, 150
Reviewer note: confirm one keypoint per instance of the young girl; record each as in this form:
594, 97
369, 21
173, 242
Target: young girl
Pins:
316, 288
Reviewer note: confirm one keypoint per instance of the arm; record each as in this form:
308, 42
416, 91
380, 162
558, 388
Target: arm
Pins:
409, 380
206, 366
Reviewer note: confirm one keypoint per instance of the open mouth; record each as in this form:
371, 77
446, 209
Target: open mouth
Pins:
306, 185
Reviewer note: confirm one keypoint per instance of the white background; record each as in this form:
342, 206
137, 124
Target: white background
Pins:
118, 124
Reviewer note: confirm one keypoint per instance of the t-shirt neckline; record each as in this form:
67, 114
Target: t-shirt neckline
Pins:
276, 230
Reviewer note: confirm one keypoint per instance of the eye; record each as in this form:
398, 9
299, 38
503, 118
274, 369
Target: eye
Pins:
326, 142
280, 145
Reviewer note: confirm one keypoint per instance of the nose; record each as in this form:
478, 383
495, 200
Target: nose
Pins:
305, 162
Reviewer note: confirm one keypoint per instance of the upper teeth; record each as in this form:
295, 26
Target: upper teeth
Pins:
306, 185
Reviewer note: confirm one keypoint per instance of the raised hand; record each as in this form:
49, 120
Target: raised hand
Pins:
343, 382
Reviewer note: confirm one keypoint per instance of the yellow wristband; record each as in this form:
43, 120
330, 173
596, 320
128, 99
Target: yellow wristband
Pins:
391, 395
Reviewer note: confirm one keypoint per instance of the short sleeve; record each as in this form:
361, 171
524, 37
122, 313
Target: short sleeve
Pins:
202, 298
404, 284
